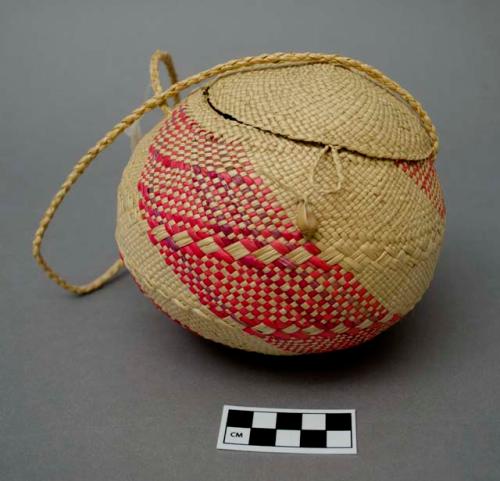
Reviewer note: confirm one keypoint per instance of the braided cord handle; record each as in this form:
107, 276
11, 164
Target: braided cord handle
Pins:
154, 75
160, 100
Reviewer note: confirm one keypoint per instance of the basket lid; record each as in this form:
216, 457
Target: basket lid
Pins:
323, 103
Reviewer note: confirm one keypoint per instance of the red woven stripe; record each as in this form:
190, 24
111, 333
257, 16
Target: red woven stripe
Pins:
199, 184
425, 176
340, 341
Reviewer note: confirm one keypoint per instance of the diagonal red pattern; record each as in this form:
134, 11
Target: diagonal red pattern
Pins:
425, 176
205, 187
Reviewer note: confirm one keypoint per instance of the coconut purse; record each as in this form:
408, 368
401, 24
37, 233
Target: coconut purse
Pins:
289, 205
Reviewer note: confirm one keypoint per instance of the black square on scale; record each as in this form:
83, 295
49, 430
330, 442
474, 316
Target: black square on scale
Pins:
338, 421
289, 421
262, 437
239, 419
313, 439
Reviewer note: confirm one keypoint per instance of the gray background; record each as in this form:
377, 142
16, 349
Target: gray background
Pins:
105, 387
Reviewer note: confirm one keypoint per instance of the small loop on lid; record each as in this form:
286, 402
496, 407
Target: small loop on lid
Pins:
305, 220
334, 151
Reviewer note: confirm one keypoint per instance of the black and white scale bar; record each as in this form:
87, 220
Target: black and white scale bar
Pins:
314, 431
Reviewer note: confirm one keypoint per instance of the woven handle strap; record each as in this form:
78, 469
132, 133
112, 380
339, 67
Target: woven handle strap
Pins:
154, 74
160, 100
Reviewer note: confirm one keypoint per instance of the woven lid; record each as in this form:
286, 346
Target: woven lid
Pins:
323, 103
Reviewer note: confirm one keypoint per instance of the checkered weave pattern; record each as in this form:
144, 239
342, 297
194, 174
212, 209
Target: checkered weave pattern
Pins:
207, 216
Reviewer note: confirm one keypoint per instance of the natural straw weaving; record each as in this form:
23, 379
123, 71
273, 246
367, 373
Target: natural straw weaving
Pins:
290, 205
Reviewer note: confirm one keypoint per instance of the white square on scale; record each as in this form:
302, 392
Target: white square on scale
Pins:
338, 439
313, 421
264, 420
288, 437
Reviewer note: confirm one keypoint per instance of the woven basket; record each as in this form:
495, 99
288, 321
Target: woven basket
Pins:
289, 205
